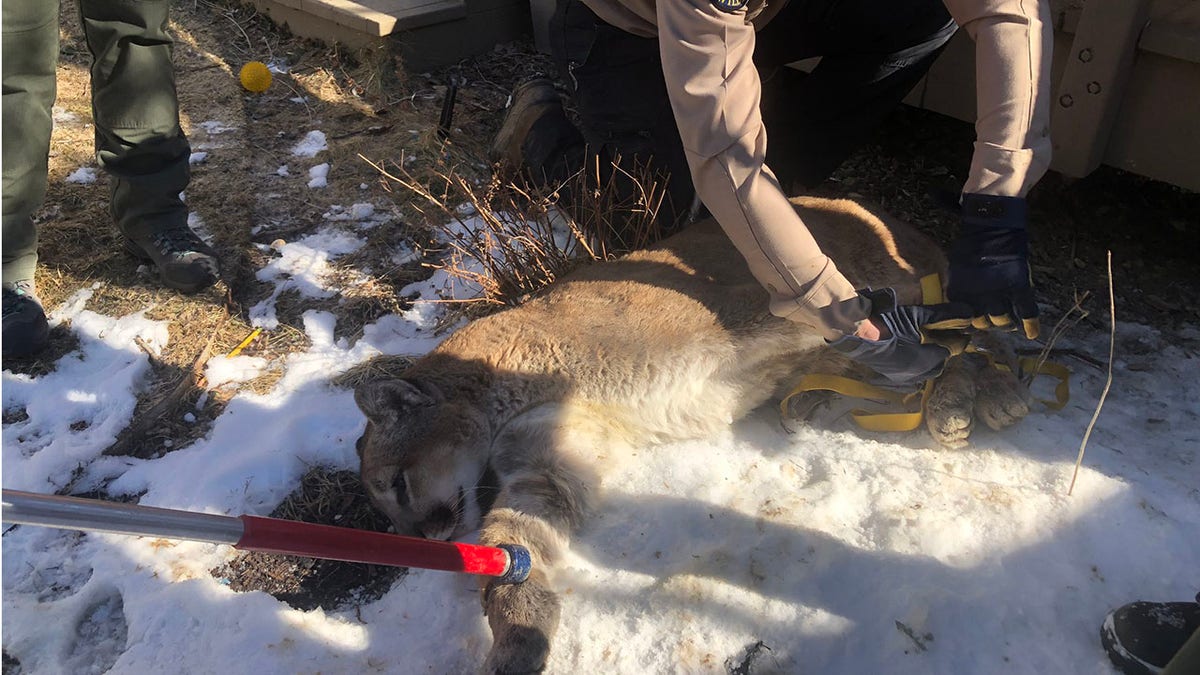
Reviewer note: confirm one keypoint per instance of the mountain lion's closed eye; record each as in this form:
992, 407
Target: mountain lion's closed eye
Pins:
509, 425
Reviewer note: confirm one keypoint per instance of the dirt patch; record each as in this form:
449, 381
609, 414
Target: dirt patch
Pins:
327, 498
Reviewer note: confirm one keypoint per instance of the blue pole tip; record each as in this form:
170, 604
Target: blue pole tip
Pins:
519, 564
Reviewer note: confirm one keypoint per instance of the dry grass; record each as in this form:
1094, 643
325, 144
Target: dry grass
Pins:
511, 239
378, 368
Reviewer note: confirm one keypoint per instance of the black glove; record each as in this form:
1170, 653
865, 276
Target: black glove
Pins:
989, 264
917, 348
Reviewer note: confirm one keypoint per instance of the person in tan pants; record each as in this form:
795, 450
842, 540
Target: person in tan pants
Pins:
679, 83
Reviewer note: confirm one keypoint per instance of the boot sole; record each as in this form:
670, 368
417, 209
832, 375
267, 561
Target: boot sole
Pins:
543, 94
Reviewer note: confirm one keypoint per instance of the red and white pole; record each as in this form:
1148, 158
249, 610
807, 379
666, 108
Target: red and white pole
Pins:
508, 563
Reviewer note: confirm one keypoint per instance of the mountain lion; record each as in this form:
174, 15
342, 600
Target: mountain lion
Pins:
508, 425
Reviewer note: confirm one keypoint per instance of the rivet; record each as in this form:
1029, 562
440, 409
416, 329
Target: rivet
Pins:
1066, 101
1093, 87
1085, 55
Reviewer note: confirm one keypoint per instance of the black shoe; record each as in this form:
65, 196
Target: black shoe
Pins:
531, 101
26, 331
184, 261
1142, 637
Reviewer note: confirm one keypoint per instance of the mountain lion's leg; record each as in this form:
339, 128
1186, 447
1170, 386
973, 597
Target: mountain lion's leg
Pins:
543, 498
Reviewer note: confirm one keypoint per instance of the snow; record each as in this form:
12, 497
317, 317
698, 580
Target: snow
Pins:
214, 127
63, 116
84, 175
197, 225
318, 176
221, 370
840, 551
362, 214
303, 266
312, 143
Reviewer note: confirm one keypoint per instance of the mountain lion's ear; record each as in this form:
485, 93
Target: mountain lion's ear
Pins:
384, 399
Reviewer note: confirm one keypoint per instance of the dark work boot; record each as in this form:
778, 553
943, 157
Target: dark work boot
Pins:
184, 261
1142, 637
26, 331
148, 209
535, 107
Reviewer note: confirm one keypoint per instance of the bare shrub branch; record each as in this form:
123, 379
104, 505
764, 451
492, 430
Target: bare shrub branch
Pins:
510, 240
1068, 321
1112, 349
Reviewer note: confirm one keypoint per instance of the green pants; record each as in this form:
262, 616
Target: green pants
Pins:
138, 139
1187, 660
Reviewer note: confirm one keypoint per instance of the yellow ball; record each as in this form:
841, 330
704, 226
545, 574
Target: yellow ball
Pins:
255, 76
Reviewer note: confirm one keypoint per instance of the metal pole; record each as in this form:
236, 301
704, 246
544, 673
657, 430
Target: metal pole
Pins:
508, 563
75, 513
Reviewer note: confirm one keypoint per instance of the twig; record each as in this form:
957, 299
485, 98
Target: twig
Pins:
918, 640
189, 380
1072, 353
238, 25
299, 94
1073, 316
145, 347
1112, 348
507, 245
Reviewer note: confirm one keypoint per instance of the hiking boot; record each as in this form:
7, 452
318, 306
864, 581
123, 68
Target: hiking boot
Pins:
26, 331
531, 101
184, 261
1142, 637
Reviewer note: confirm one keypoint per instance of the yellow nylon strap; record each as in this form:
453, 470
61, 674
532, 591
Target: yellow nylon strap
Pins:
931, 290
899, 421
1062, 390
871, 421
931, 293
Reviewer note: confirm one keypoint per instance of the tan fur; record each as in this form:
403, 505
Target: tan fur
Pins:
665, 344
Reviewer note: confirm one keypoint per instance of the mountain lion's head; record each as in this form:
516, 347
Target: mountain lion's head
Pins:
424, 459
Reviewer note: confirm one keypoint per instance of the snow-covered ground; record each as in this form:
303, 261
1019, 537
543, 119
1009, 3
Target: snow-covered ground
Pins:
818, 551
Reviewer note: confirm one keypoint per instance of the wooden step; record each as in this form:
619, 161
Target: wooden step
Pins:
370, 18
425, 34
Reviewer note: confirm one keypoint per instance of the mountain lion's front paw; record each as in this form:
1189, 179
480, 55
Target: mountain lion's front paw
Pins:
518, 650
523, 618
950, 410
1000, 400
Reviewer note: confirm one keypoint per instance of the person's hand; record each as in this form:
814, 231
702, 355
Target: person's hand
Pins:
913, 342
989, 265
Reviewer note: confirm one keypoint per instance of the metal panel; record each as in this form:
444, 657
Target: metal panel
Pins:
1089, 95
